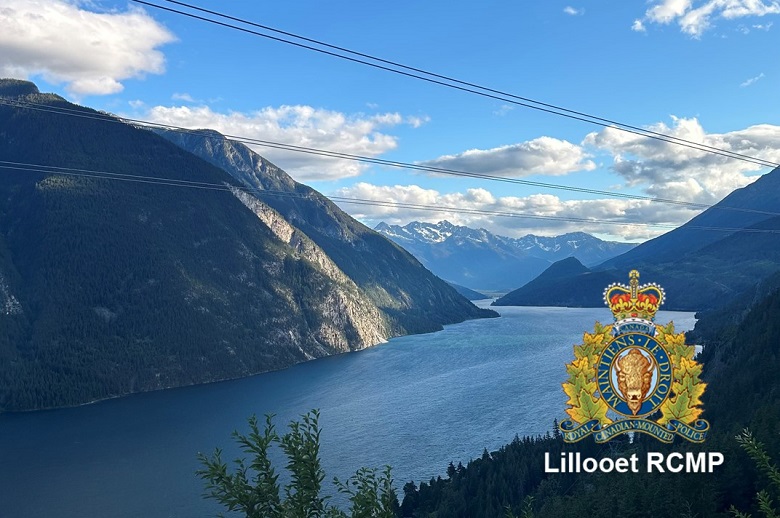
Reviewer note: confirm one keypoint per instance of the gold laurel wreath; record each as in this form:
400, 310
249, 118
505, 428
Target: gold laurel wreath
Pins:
585, 402
684, 402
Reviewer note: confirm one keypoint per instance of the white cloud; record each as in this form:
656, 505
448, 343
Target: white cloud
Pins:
300, 126
543, 155
503, 110
667, 10
638, 26
187, 98
91, 52
670, 171
598, 211
652, 167
572, 11
694, 20
416, 122
751, 81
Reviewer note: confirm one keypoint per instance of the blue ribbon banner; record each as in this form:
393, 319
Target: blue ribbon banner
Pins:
574, 432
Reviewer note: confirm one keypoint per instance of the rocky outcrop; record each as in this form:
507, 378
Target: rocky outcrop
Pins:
351, 320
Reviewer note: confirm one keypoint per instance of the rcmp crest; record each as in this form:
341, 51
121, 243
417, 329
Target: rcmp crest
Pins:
634, 375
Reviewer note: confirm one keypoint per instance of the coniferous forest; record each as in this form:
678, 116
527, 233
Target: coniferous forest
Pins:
484, 175
112, 284
741, 363
742, 342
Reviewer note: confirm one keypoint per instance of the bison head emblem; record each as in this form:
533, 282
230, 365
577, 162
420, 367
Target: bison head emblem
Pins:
634, 374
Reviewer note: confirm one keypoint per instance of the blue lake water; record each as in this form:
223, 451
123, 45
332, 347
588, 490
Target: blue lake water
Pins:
416, 403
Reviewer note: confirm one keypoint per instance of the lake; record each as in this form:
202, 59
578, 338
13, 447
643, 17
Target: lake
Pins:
415, 402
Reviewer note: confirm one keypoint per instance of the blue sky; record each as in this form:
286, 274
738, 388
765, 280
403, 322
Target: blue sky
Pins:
704, 70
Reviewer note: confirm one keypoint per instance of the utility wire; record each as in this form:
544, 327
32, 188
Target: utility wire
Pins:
447, 81
448, 78
209, 134
172, 182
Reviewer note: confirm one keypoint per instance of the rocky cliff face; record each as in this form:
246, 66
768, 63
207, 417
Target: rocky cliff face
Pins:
347, 311
110, 287
395, 282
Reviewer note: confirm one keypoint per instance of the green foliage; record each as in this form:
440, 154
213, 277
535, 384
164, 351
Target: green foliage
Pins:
255, 495
756, 451
528, 507
738, 514
252, 488
371, 495
302, 447
527, 510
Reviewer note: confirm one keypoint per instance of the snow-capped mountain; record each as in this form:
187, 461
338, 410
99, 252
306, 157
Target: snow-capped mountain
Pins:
482, 260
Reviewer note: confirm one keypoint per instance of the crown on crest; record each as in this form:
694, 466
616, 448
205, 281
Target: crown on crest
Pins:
634, 301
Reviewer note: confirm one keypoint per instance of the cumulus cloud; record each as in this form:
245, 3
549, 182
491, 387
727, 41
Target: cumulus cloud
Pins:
300, 126
670, 171
751, 81
573, 11
652, 167
90, 52
694, 20
454, 207
543, 155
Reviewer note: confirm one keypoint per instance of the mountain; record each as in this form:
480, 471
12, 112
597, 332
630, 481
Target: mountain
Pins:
553, 287
373, 262
710, 259
468, 293
740, 364
118, 284
758, 202
482, 260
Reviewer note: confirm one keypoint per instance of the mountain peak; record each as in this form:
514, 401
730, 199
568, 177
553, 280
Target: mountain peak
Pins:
268, 280
576, 235
553, 287
382, 226
735, 259
480, 259
569, 266
17, 88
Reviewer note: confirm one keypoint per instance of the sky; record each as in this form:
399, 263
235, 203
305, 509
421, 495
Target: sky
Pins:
705, 70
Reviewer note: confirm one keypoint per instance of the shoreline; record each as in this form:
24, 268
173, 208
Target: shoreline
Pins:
234, 378
251, 375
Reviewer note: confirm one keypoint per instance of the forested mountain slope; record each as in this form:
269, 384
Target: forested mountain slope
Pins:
113, 283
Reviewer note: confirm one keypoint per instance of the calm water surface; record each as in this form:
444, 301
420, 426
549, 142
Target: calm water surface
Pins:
416, 403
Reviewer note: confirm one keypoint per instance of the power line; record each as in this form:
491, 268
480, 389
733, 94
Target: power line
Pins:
209, 134
447, 81
172, 182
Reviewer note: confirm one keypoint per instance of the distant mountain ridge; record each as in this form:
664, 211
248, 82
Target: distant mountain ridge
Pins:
113, 287
480, 259
468, 293
700, 264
